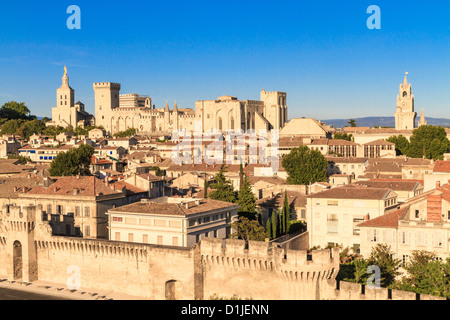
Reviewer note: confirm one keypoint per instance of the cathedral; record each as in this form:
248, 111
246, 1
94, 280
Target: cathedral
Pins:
67, 113
117, 112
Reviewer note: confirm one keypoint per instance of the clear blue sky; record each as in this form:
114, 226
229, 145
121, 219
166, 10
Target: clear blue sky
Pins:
320, 52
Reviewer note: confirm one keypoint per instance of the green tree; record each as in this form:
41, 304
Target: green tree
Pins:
127, 133
205, 188
305, 166
428, 141
352, 123
14, 110
223, 188
248, 230
426, 275
343, 136
401, 144
269, 229
246, 199
382, 256
73, 162
11, 126
285, 216
274, 225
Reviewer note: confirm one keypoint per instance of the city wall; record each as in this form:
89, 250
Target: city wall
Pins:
213, 268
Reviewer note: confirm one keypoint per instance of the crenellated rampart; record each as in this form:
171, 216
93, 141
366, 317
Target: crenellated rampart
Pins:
214, 267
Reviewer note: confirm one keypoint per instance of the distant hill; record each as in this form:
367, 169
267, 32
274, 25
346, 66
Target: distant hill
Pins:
382, 122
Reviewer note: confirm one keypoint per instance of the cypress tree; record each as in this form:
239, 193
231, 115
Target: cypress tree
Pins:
246, 199
274, 225
269, 229
286, 213
206, 188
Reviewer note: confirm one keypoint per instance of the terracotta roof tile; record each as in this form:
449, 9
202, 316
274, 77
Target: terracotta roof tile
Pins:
388, 220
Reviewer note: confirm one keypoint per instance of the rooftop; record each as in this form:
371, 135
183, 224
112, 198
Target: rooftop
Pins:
174, 206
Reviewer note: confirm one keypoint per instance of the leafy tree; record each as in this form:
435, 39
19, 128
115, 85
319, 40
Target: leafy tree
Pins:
428, 141
352, 123
11, 126
401, 144
14, 110
426, 275
343, 136
305, 166
360, 274
46, 119
248, 230
223, 188
127, 133
382, 256
73, 162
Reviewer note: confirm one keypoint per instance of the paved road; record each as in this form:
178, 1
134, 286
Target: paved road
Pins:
11, 294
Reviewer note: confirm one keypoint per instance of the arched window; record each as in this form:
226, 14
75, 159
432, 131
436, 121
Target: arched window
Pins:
405, 93
232, 123
220, 123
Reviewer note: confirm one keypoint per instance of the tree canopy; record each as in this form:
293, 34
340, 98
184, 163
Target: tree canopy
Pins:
223, 189
343, 136
246, 198
14, 110
430, 142
73, 162
305, 166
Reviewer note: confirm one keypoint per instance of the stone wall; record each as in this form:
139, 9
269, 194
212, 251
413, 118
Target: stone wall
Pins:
341, 290
214, 267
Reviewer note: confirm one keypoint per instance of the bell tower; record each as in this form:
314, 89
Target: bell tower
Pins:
405, 117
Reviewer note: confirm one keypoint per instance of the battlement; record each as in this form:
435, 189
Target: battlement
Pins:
21, 218
272, 93
342, 290
295, 265
107, 85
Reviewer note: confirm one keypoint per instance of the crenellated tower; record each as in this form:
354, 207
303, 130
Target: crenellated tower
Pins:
106, 100
275, 108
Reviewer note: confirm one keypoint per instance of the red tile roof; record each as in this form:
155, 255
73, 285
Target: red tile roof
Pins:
85, 186
442, 166
388, 220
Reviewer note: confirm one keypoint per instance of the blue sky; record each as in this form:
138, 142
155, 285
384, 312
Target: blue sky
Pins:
321, 53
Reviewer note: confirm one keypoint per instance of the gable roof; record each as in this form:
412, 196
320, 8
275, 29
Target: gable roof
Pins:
388, 220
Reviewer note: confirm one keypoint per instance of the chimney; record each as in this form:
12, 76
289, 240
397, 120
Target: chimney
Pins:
367, 217
75, 191
438, 184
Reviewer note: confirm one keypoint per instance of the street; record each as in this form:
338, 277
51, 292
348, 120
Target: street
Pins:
11, 294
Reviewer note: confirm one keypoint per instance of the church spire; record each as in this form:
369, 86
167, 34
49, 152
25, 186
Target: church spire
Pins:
422, 121
175, 108
167, 106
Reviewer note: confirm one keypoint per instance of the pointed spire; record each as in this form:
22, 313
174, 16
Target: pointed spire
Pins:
405, 81
422, 121
175, 108
167, 106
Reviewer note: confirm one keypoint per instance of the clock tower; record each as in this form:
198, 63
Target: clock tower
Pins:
405, 117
